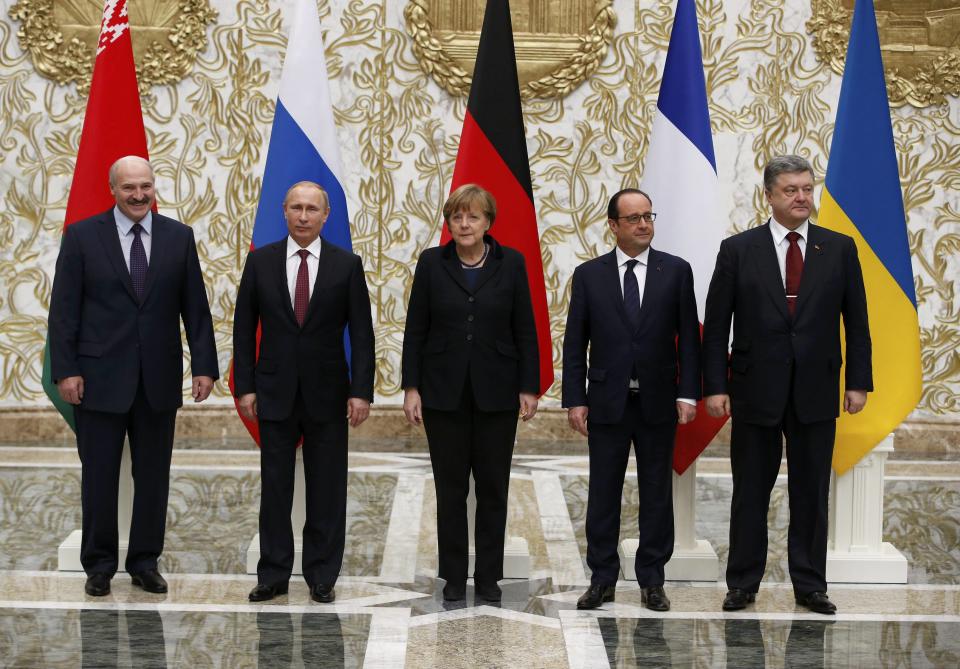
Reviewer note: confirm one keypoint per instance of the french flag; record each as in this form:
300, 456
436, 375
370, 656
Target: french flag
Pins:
303, 143
680, 176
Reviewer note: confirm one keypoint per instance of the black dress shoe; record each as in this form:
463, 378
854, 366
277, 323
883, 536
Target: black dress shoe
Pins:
655, 598
97, 585
263, 592
150, 580
488, 591
454, 591
322, 593
737, 599
818, 602
596, 595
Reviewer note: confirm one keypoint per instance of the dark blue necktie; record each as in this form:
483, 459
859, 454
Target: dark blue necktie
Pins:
631, 295
138, 261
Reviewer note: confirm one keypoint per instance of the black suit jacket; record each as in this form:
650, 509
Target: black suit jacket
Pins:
311, 357
100, 331
664, 350
487, 331
769, 347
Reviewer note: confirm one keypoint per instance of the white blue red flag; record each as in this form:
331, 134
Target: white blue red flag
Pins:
680, 175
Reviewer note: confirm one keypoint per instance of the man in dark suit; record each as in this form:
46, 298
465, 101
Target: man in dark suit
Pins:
785, 285
303, 291
635, 307
124, 280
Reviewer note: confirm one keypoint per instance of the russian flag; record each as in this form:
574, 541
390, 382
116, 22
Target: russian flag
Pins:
862, 198
303, 144
680, 175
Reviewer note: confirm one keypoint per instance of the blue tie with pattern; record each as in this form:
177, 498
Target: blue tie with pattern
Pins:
138, 261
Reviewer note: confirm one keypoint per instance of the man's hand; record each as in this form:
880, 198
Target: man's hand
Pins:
248, 406
71, 389
686, 412
577, 417
718, 406
357, 410
412, 407
854, 401
202, 385
528, 406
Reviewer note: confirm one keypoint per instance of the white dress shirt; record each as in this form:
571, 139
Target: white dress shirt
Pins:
293, 266
125, 231
781, 244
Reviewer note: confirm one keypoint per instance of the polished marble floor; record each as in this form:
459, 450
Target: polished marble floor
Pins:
389, 612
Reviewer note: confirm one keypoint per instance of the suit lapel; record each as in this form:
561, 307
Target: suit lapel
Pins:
651, 285
158, 246
280, 253
322, 278
451, 263
490, 267
814, 264
615, 290
765, 257
111, 244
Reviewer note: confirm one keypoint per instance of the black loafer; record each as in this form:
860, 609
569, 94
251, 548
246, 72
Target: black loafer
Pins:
487, 591
150, 580
818, 602
737, 599
322, 593
596, 595
97, 585
455, 591
263, 592
655, 599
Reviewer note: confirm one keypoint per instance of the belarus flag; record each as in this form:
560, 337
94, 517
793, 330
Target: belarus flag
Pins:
303, 144
681, 177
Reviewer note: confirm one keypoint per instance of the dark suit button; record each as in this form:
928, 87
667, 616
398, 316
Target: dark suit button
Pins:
470, 318
471, 299
469, 337
793, 334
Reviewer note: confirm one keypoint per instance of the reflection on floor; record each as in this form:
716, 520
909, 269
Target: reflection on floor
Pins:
389, 612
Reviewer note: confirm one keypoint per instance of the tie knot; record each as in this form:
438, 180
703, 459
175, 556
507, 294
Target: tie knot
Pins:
303, 253
137, 229
793, 236
631, 264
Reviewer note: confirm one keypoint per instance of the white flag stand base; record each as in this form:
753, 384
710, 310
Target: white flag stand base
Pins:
856, 551
298, 518
693, 559
516, 552
68, 553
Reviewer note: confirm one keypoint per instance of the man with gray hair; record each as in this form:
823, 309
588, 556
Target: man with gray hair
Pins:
124, 280
785, 286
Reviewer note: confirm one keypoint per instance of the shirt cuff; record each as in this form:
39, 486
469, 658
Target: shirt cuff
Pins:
686, 400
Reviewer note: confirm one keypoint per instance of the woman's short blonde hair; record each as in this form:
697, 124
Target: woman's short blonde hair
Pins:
465, 198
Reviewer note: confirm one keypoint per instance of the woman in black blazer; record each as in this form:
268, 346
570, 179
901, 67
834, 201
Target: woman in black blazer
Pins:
470, 361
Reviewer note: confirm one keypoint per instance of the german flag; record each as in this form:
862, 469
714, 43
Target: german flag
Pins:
493, 155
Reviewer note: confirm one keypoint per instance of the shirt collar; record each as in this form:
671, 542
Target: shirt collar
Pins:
780, 232
623, 257
124, 224
293, 247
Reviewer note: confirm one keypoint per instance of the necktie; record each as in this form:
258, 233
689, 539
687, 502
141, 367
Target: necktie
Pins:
138, 261
794, 271
631, 295
301, 292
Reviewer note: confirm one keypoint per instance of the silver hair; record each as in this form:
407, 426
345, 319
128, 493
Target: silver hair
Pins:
116, 166
784, 164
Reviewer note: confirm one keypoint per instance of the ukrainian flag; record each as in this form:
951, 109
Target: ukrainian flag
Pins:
862, 198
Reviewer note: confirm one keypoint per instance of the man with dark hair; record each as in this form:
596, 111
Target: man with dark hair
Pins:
124, 280
785, 286
636, 310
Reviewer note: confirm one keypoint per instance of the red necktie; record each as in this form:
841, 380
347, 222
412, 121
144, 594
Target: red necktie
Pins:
794, 271
301, 293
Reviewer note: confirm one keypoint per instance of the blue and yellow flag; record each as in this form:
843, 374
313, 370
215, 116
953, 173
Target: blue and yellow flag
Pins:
862, 198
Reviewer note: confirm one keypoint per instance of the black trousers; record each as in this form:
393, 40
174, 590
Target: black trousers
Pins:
463, 441
755, 453
325, 474
609, 446
100, 437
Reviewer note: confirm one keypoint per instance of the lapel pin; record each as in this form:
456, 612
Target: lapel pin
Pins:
817, 248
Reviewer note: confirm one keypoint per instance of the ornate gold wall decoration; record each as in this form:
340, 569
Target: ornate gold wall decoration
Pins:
920, 41
559, 43
61, 36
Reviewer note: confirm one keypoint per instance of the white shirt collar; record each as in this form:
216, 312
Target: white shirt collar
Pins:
124, 224
779, 232
622, 257
293, 247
